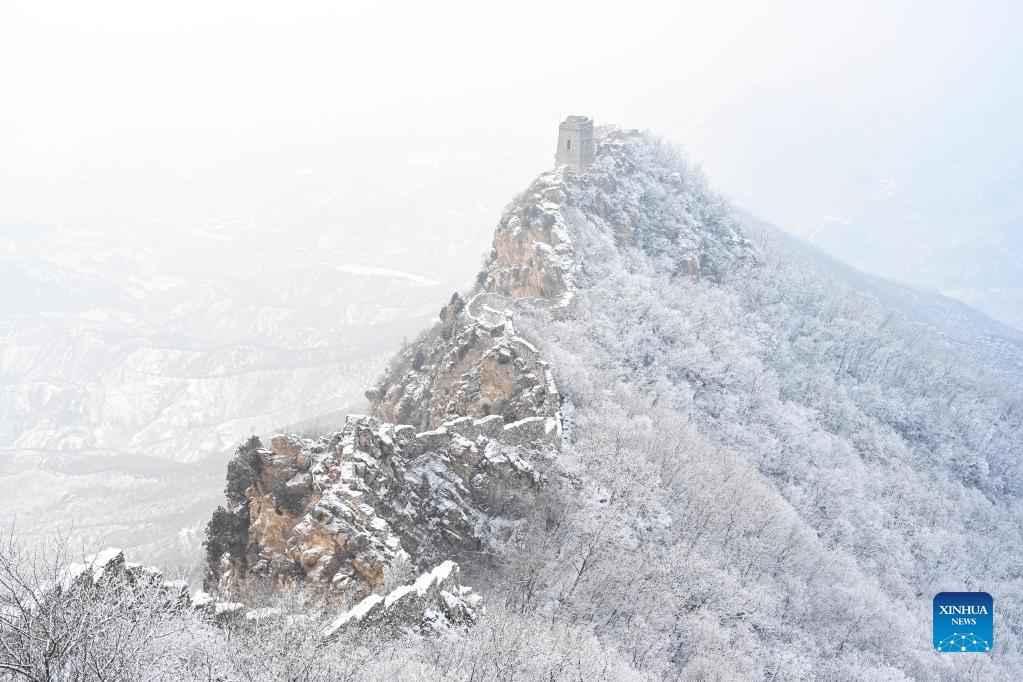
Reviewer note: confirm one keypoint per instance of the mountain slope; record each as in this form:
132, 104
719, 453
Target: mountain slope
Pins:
974, 334
927, 197
762, 471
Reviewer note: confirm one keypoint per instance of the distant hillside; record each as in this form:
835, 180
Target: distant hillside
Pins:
130, 367
974, 334
929, 198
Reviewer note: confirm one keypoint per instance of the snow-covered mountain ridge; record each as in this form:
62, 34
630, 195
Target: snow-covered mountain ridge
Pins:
763, 470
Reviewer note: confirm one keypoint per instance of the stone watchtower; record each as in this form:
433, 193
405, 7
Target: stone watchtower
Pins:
575, 143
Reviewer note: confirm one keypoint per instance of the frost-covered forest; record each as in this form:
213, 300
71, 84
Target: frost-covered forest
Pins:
765, 473
796, 465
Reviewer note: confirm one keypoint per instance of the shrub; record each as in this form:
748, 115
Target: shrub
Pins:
243, 470
226, 532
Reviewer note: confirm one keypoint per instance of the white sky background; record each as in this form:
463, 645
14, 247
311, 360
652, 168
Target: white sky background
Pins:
116, 99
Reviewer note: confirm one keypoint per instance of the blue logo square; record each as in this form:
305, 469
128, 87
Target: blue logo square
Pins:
964, 621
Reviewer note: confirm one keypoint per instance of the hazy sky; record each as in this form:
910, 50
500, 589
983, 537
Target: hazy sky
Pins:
99, 82
119, 99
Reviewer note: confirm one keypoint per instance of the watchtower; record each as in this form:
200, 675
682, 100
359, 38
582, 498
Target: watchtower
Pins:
575, 143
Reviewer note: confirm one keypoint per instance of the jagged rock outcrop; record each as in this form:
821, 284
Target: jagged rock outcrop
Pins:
343, 514
108, 570
109, 566
531, 257
436, 601
471, 365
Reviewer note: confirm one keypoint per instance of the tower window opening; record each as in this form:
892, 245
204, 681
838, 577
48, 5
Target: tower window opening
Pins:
568, 144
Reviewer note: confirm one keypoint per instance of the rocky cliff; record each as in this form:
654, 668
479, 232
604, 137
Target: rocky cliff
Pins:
463, 414
460, 417
351, 514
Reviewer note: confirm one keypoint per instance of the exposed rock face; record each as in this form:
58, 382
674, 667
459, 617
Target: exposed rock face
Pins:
471, 365
341, 515
532, 253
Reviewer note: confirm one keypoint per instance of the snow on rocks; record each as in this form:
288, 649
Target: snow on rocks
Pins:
374, 496
436, 601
